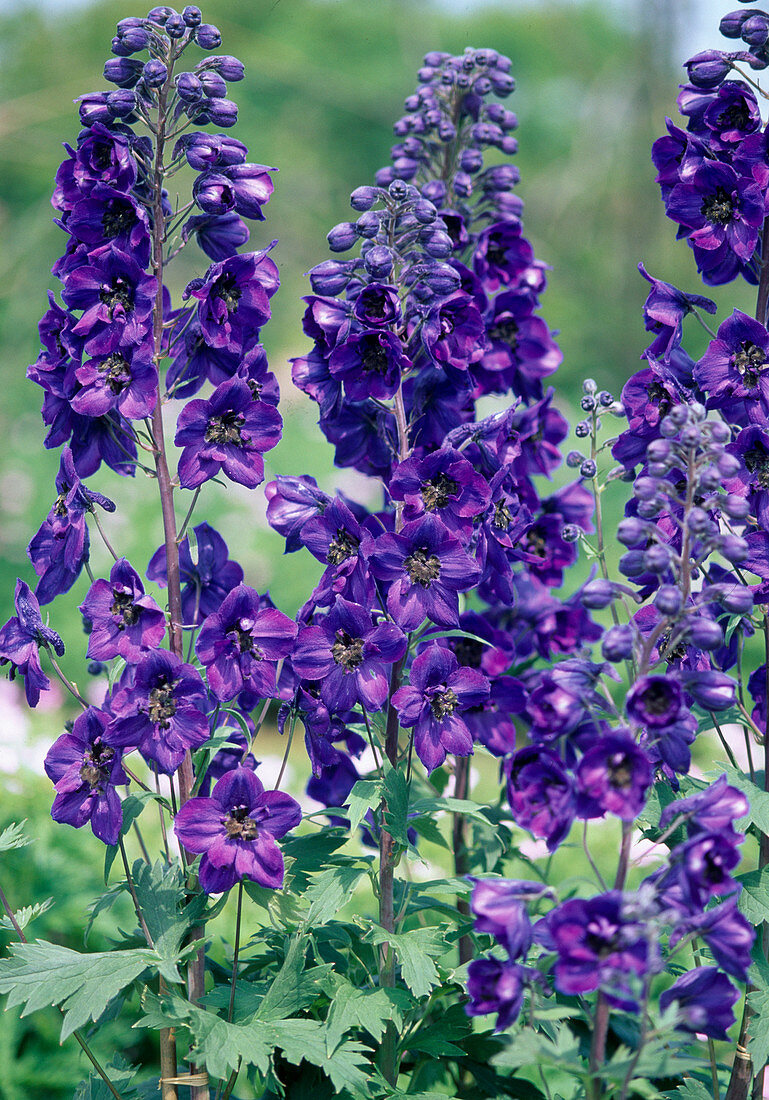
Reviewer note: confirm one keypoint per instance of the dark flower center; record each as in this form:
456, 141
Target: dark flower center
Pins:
118, 216
239, 826
502, 517
246, 639
657, 699
659, 396
437, 492
536, 544
123, 605
60, 504
422, 567
469, 652
375, 304
757, 462
507, 332
228, 291
119, 294
495, 252
96, 764
718, 208
601, 937
101, 154
749, 361
225, 429
347, 651
117, 371
620, 772
373, 356
162, 704
734, 117
341, 547
676, 654
444, 703
447, 324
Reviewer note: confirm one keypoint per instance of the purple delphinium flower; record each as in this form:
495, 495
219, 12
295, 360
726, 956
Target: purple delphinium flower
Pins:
426, 567
453, 333
613, 777
85, 771
20, 640
713, 809
60, 548
704, 999
207, 580
727, 933
235, 830
226, 433
751, 448
117, 298
717, 209
349, 654
440, 689
598, 946
124, 621
654, 701
240, 644
664, 311
291, 502
160, 711
734, 367
370, 364
495, 986
125, 379
444, 484
234, 299
541, 794
218, 235
499, 907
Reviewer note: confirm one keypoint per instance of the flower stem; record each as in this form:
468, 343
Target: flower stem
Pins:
233, 982
459, 843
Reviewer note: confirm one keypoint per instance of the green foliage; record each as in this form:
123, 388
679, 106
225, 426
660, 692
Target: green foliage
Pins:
41, 973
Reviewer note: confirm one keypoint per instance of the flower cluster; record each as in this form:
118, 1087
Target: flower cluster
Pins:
438, 310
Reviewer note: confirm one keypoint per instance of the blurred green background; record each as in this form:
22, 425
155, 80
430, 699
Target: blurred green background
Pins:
325, 79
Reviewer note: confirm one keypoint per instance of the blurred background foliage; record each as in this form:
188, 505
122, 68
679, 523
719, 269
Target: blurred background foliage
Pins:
325, 79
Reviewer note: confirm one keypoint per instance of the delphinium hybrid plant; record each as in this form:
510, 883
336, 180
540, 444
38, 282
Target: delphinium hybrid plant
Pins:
396, 955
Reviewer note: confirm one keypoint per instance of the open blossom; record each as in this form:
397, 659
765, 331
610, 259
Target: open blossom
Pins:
235, 831
228, 434
704, 999
160, 711
85, 771
350, 655
241, 643
426, 567
124, 621
440, 689
20, 641
234, 299
207, 580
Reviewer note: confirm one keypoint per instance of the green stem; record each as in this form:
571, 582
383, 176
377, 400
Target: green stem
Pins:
233, 983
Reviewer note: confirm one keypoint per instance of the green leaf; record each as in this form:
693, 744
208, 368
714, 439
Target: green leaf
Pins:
368, 1009
365, 795
758, 1043
396, 795
691, 1089
160, 893
329, 890
14, 836
660, 796
26, 914
427, 827
451, 805
758, 814
753, 901
415, 950
293, 987
304, 1040
120, 1073
531, 1048
41, 973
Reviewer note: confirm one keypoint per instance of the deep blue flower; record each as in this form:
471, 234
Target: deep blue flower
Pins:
234, 299
704, 998
541, 794
235, 831
20, 640
124, 621
207, 579
439, 691
161, 710
85, 771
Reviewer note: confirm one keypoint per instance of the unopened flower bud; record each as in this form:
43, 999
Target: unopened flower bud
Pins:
597, 594
342, 237
668, 600
208, 37
617, 644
